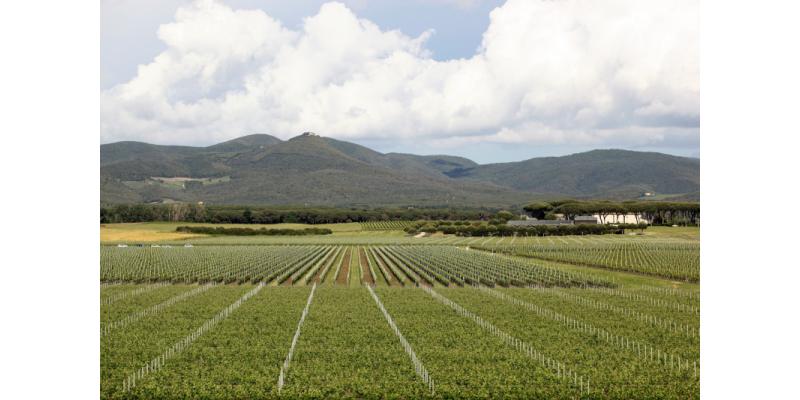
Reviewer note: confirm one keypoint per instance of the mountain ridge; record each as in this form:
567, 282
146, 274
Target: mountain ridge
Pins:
312, 169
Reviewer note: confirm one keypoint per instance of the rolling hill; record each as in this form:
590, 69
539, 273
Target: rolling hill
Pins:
315, 170
615, 174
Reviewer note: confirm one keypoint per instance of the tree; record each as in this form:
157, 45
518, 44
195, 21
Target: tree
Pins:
538, 209
572, 209
504, 215
558, 203
608, 208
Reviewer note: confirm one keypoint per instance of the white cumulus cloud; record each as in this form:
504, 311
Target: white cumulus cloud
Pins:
568, 71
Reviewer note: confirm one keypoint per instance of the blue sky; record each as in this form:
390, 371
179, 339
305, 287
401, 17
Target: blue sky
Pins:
490, 80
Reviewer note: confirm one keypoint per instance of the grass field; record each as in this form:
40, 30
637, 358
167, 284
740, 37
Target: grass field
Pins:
380, 315
165, 231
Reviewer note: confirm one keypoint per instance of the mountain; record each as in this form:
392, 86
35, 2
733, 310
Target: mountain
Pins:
258, 140
617, 174
315, 170
134, 161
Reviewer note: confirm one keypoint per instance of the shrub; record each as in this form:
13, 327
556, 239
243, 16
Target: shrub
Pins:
210, 230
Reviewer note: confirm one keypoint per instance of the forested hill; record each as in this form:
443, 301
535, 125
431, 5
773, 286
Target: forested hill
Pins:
596, 173
314, 170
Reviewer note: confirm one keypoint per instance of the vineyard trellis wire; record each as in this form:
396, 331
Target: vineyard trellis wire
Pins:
132, 318
642, 350
386, 225
295, 338
669, 259
290, 265
561, 370
158, 362
658, 322
419, 368
132, 293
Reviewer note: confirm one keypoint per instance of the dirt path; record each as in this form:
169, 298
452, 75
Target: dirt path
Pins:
344, 271
365, 270
328, 260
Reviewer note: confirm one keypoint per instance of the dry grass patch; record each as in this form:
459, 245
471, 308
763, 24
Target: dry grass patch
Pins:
110, 233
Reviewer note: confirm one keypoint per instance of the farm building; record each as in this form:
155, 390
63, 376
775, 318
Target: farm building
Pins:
585, 219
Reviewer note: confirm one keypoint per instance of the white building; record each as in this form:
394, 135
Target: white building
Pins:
621, 219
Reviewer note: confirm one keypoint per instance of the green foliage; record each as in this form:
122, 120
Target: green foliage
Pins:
504, 215
465, 360
248, 347
673, 260
210, 230
449, 265
538, 209
386, 225
498, 228
435, 265
346, 348
124, 351
632, 335
206, 263
564, 330
657, 212
186, 212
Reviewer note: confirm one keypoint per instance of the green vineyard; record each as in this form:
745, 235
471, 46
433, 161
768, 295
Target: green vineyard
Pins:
386, 225
471, 342
304, 265
382, 317
664, 259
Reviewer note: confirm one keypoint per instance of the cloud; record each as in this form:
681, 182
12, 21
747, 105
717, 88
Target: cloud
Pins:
464, 4
570, 71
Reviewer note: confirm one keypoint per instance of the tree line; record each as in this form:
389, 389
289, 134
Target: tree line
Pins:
652, 212
211, 230
498, 228
189, 212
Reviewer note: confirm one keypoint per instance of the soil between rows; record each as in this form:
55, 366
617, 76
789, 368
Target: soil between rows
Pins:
344, 271
365, 270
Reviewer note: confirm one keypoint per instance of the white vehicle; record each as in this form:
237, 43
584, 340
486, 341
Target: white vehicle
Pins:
188, 245
122, 245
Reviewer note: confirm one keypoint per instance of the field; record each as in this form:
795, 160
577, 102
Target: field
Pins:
165, 231
381, 315
668, 259
386, 225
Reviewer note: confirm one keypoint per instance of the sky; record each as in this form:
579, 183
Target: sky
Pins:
491, 80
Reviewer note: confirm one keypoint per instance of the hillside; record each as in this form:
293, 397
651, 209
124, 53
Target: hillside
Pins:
255, 141
314, 170
615, 174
